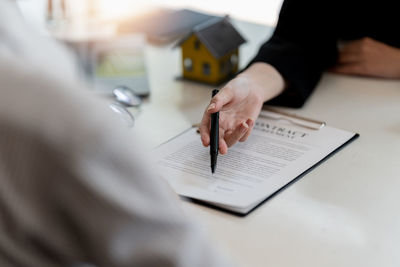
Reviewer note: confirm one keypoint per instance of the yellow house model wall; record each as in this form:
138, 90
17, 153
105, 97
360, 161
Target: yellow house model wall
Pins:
200, 56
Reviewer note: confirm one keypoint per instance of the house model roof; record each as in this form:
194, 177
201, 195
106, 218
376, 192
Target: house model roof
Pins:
218, 35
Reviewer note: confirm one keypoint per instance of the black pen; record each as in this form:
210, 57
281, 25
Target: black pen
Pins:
214, 137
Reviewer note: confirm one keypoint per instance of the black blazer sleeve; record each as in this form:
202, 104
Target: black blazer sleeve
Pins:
303, 45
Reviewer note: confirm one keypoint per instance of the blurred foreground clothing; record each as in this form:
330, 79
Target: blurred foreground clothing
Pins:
73, 185
305, 41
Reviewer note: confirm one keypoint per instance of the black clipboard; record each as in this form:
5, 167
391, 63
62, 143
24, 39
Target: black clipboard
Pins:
319, 125
204, 203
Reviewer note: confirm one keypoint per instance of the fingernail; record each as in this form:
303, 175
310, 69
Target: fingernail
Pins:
245, 127
211, 106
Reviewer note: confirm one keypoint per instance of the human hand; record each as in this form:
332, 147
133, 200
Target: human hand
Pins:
240, 103
368, 57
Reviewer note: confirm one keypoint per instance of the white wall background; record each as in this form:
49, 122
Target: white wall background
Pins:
259, 11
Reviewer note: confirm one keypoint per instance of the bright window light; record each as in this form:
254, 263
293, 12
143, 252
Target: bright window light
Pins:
265, 12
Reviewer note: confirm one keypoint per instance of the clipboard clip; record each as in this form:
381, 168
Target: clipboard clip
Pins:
274, 114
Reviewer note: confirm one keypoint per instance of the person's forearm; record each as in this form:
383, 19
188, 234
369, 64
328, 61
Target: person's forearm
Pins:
267, 79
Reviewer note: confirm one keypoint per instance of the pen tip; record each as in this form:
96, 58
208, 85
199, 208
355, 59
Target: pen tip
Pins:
213, 169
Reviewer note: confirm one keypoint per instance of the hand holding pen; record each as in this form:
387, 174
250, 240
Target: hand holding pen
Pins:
239, 103
230, 129
236, 119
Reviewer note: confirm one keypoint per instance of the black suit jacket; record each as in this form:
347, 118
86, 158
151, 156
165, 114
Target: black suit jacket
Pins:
304, 43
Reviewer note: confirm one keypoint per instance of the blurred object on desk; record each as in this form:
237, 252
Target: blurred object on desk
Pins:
77, 21
61, 12
123, 114
120, 62
56, 10
106, 60
71, 8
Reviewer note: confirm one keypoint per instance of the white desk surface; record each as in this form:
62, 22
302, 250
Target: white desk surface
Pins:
346, 212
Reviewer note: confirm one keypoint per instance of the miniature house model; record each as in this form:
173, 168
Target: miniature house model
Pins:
210, 53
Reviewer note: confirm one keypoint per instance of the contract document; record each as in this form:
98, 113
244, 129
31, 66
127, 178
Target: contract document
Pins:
276, 153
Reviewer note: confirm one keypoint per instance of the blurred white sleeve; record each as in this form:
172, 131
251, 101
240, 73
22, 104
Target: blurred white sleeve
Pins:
75, 187
81, 188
